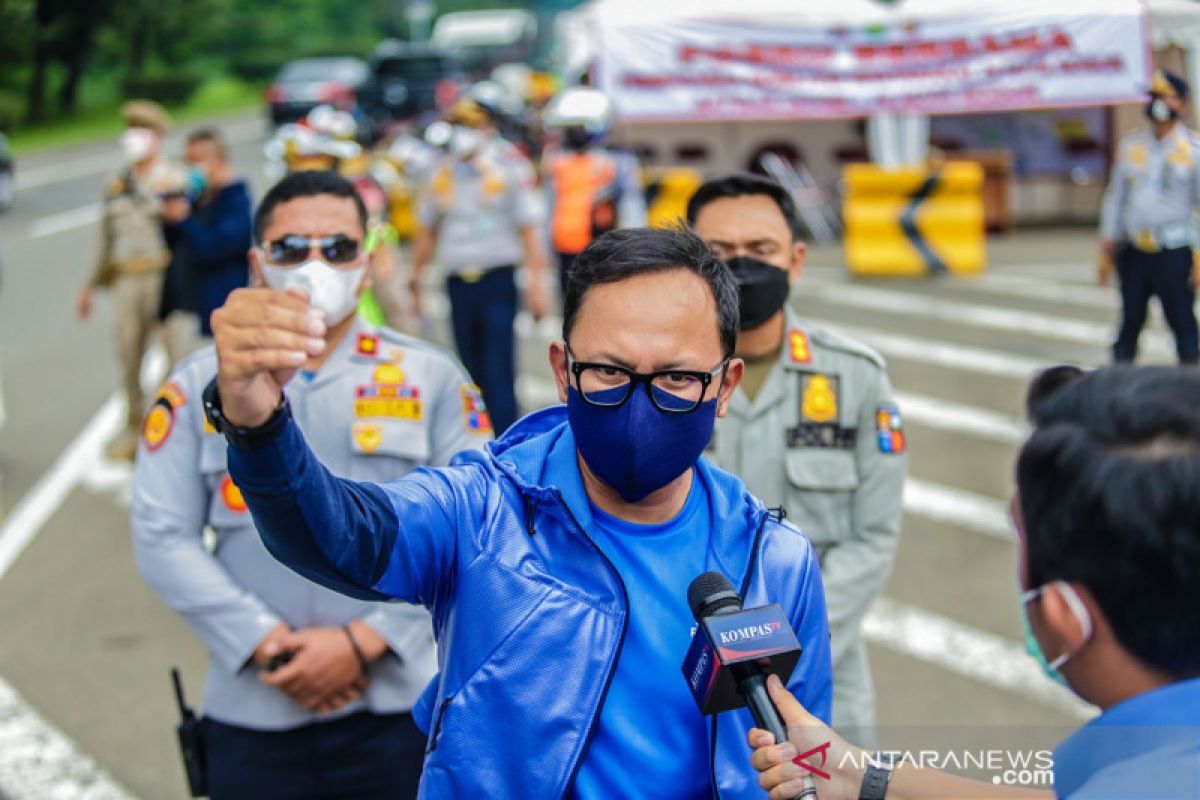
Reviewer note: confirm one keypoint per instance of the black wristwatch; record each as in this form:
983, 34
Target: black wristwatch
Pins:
875, 782
236, 435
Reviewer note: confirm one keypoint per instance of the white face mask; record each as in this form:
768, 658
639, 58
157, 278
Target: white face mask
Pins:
137, 143
334, 291
465, 142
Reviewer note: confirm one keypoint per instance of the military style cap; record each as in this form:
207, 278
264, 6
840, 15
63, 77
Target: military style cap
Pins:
1168, 84
146, 114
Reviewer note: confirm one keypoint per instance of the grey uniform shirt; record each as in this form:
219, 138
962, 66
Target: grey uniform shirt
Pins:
478, 208
380, 406
823, 438
1153, 189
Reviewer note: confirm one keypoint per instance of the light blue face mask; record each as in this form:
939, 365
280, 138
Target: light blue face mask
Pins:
1034, 647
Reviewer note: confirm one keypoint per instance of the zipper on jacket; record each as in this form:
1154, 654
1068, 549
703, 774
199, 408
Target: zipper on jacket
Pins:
712, 747
530, 507
612, 670
437, 725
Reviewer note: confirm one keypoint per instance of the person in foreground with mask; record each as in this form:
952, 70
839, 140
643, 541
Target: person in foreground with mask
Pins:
209, 227
481, 216
557, 562
1148, 233
813, 426
308, 692
1108, 526
133, 254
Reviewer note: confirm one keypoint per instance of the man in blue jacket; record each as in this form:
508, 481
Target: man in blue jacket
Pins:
556, 563
210, 238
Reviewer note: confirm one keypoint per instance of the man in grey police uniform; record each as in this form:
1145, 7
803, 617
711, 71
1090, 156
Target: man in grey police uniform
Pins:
815, 428
483, 214
1147, 228
334, 720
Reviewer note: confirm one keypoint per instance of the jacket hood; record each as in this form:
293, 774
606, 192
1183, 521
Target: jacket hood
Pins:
538, 455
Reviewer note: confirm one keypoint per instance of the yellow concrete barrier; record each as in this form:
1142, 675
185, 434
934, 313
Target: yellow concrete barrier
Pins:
670, 194
914, 221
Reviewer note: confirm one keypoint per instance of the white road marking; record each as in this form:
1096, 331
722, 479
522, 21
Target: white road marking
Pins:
940, 353
111, 160
36, 760
36, 507
967, 510
933, 412
978, 315
39, 763
979, 655
64, 221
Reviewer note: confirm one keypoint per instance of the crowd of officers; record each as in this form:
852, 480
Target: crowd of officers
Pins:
310, 691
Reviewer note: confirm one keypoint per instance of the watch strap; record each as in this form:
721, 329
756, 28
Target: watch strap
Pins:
874, 782
242, 437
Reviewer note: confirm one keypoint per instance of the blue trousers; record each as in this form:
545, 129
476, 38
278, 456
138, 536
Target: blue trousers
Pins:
482, 313
1163, 275
364, 755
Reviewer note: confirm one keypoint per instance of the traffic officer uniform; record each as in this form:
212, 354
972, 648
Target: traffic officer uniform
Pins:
381, 405
478, 207
133, 258
1147, 213
823, 438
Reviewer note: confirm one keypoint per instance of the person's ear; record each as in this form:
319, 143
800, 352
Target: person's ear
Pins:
799, 258
1060, 624
256, 274
558, 363
733, 376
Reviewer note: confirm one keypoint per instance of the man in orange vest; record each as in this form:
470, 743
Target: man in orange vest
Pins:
591, 188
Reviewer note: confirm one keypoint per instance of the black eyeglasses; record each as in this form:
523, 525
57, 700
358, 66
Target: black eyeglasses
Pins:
294, 249
677, 391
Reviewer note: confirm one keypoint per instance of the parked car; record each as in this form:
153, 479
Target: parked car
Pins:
407, 81
304, 84
7, 189
488, 38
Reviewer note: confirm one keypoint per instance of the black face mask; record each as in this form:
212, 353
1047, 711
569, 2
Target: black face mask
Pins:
762, 288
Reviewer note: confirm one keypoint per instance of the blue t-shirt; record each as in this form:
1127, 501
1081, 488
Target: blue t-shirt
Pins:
651, 738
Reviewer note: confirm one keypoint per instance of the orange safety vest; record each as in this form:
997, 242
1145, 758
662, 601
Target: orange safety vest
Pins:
582, 207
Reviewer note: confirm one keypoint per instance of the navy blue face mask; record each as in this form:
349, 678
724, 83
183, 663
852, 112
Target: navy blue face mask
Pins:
636, 448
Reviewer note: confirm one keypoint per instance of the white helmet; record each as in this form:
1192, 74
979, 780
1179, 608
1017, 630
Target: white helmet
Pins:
329, 121
580, 107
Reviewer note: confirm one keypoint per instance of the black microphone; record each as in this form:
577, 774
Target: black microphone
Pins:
733, 652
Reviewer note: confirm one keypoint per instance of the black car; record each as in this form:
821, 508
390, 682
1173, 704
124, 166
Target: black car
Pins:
407, 81
304, 84
7, 188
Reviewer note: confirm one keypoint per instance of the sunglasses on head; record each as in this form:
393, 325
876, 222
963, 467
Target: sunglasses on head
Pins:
294, 249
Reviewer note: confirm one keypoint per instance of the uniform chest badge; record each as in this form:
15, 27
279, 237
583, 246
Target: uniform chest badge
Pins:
388, 374
818, 397
889, 429
798, 347
367, 436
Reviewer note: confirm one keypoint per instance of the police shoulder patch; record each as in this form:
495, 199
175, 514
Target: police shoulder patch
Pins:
160, 420
475, 414
889, 429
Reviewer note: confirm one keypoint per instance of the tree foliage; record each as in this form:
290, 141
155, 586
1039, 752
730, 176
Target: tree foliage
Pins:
54, 47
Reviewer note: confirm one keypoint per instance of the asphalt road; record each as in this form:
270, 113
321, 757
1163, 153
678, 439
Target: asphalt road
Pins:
88, 646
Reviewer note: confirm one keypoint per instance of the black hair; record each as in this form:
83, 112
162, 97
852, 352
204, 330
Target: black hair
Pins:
622, 254
741, 185
213, 137
1109, 485
307, 183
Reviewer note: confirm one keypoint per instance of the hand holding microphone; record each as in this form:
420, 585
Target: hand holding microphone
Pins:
734, 651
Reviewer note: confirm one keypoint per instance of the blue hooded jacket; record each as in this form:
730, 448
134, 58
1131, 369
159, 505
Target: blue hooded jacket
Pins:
530, 616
